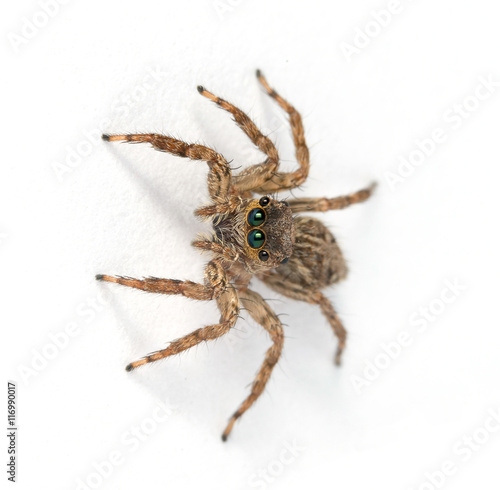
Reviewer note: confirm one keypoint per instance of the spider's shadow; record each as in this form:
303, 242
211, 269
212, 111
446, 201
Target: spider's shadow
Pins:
203, 384
189, 379
156, 191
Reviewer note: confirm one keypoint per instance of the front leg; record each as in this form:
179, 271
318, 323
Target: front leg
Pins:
254, 179
250, 129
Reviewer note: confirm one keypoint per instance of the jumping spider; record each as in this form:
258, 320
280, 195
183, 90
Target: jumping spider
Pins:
294, 255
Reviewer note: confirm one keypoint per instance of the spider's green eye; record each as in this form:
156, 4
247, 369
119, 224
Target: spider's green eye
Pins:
256, 217
256, 238
263, 255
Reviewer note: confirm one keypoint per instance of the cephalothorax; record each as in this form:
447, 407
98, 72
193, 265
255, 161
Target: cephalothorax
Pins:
254, 234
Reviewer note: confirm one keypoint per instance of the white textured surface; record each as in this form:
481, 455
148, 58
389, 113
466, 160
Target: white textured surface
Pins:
128, 210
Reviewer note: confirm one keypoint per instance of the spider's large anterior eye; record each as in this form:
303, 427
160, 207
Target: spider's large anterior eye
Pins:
264, 201
256, 217
263, 255
256, 238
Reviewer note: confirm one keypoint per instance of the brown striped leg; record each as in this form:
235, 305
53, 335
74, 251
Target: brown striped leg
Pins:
262, 171
262, 314
296, 292
232, 204
215, 283
287, 180
228, 304
323, 204
219, 177
216, 287
334, 321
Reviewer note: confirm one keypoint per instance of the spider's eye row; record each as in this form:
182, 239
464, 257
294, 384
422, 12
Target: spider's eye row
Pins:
264, 201
256, 239
256, 217
286, 203
285, 260
263, 255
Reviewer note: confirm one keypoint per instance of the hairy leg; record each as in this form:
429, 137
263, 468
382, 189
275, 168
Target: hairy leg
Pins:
333, 319
261, 312
264, 170
215, 287
232, 204
215, 283
219, 177
217, 248
287, 180
324, 204
299, 293
258, 178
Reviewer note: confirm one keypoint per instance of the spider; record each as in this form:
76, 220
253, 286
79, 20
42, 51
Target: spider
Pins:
253, 236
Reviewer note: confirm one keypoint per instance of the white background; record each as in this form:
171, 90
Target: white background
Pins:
74, 206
